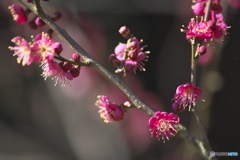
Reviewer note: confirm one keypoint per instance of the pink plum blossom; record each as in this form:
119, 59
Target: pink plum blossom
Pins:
59, 76
44, 47
110, 112
18, 13
162, 125
22, 50
199, 30
186, 95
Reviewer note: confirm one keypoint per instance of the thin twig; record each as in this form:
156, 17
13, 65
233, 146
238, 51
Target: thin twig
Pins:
206, 143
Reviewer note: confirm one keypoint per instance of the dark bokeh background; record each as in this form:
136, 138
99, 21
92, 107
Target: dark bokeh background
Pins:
41, 122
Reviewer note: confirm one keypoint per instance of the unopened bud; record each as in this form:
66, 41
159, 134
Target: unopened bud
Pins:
56, 16
58, 48
39, 21
76, 57
125, 32
75, 72
201, 50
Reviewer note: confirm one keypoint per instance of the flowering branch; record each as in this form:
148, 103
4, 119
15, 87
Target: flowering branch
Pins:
89, 61
194, 57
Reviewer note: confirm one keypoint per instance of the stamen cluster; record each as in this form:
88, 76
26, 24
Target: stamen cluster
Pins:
162, 125
186, 96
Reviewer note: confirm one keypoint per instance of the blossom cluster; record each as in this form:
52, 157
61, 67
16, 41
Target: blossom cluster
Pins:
161, 124
20, 16
128, 56
208, 27
42, 50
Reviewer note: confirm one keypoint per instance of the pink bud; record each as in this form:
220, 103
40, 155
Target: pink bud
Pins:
75, 72
201, 50
38, 37
125, 32
58, 48
56, 16
18, 13
39, 21
76, 57
198, 9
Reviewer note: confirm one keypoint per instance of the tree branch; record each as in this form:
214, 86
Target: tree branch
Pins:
62, 34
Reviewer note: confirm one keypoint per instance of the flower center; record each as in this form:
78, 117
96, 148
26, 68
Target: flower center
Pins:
163, 125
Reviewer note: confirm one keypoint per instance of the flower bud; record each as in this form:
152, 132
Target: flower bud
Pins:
76, 57
198, 9
18, 13
58, 48
125, 32
39, 21
56, 16
75, 72
201, 50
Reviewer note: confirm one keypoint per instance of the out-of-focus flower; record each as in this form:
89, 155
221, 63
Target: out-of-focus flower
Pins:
162, 125
110, 112
44, 47
59, 76
18, 13
219, 28
22, 50
186, 95
199, 8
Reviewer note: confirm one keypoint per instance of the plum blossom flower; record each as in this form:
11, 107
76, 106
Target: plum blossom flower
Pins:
128, 57
18, 13
199, 30
44, 47
186, 95
162, 125
22, 50
110, 112
59, 76
219, 27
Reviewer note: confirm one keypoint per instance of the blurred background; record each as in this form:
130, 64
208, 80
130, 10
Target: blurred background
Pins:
41, 122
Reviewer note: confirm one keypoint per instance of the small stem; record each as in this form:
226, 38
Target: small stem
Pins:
193, 63
208, 6
71, 61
